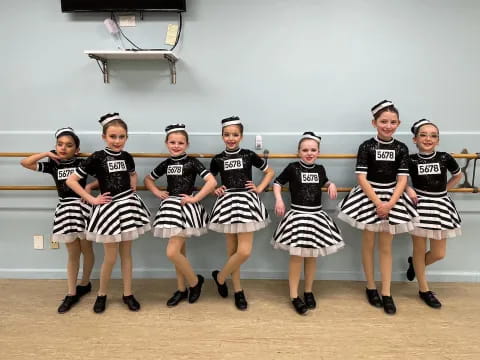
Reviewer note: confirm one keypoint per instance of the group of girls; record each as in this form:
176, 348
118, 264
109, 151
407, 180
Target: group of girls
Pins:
382, 203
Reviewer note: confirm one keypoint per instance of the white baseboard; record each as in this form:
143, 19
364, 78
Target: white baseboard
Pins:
139, 273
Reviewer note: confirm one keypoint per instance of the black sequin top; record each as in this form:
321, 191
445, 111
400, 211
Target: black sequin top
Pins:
429, 171
181, 172
60, 173
111, 168
235, 167
305, 182
382, 160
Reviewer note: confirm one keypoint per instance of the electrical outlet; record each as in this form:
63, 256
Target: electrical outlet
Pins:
54, 244
127, 20
258, 142
172, 32
38, 242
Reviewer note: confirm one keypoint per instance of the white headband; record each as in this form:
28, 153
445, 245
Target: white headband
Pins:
64, 130
308, 136
418, 124
231, 122
176, 127
381, 106
108, 119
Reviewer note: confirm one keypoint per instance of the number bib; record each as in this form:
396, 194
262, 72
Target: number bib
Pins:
175, 170
116, 165
385, 155
429, 169
233, 164
63, 174
310, 178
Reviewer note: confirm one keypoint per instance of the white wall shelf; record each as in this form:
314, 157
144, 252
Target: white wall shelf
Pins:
103, 56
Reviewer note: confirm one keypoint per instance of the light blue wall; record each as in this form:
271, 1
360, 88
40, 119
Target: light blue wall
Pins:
283, 66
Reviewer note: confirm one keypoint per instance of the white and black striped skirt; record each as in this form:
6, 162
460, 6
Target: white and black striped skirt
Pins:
359, 211
307, 232
439, 218
70, 220
238, 211
124, 218
174, 219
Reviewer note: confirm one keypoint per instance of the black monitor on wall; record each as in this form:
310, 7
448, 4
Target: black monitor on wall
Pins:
123, 5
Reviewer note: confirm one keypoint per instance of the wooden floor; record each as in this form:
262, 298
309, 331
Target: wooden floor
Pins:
343, 326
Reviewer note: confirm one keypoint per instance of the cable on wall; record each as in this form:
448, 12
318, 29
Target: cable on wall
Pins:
138, 48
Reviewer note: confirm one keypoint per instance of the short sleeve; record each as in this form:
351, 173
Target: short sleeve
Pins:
87, 167
452, 165
45, 166
411, 165
284, 176
362, 159
403, 160
129, 162
323, 176
214, 168
159, 171
200, 169
258, 162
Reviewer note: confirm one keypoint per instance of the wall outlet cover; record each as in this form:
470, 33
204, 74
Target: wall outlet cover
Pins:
127, 20
54, 244
172, 32
258, 142
38, 242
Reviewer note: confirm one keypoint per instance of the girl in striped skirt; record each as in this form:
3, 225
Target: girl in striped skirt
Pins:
180, 215
306, 231
238, 211
378, 204
439, 218
71, 214
119, 215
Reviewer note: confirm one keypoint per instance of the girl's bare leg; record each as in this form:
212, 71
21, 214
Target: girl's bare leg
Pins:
385, 251
310, 269
176, 251
243, 250
86, 247
368, 248
294, 272
73, 264
127, 266
109, 259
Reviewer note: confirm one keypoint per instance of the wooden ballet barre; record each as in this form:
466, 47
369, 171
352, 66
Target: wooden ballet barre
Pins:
206, 156
339, 189
209, 156
199, 155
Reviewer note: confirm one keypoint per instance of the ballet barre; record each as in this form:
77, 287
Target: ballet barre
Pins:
142, 188
209, 156
466, 186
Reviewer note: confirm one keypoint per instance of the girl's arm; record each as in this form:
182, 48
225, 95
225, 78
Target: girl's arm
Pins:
269, 173
454, 180
412, 194
150, 184
92, 186
332, 190
73, 183
367, 189
399, 189
279, 204
384, 207
133, 180
206, 189
31, 161
220, 190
